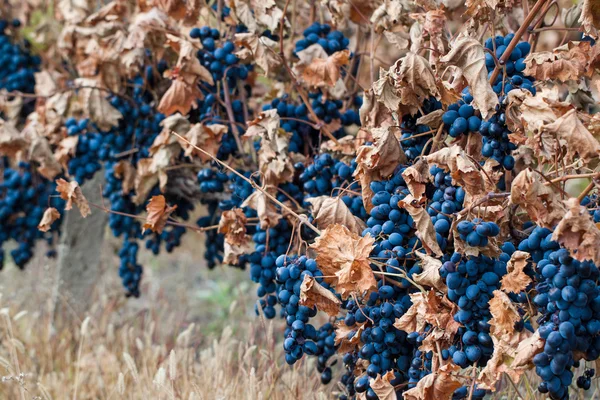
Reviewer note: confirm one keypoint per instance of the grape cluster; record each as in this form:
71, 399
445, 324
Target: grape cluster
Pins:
445, 200
24, 196
471, 284
585, 381
17, 64
477, 232
330, 40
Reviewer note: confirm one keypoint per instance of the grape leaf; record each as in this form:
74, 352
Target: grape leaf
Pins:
423, 225
504, 315
578, 233
438, 385
570, 130
206, 137
332, 210
158, 214
325, 72
590, 17
71, 192
468, 55
542, 203
382, 387
11, 140
267, 213
416, 82
568, 62
125, 171
181, 97
516, 280
416, 177
344, 343
344, 254
431, 273
96, 104
312, 294
233, 225
262, 49
50, 215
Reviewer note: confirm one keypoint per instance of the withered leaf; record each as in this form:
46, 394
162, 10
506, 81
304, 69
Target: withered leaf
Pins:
512, 356
325, 72
267, 213
180, 97
578, 139
50, 215
568, 62
504, 314
312, 294
463, 170
468, 55
343, 341
158, 214
382, 387
542, 203
387, 15
344, 254
385, 89
263, 50
590, 17
71, 192
332, 210
274, 159
96, 104
416, 81
373, 113
423, 225
439, 385
40, 152
11, 140
413, 320
516, 280
430, 276
384, 155
578, 233
233, 225
125, 171
206, 137
432, 120
416, 177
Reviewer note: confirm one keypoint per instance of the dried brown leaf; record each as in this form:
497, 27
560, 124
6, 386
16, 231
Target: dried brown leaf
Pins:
332, 210
423, 225
344, 254
416, 177
125, 171
345, 344
464, 171
542, 203
590, 17
382, 387
416, 81
11, 140
233, 225
180, 97
96, 104
206, 137
568, 62
263, 50
438, 385
468, 55
50, 215
430, 277
516, 280
579, 141
325, 72
267, 213
71, 193
312, 294
158, 214
504, 315
578, 233
40, 152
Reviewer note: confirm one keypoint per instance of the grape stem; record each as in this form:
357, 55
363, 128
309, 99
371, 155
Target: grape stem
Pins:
484, 199
513, 43
303, 219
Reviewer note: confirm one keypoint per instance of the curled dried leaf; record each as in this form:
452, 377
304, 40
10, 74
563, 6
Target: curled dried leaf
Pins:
430, 276
332, 210
50, 215
125, 171
233, 225
181, 97
439, 385
158, 214
464, 171
416, 177
267, 213
71, 193
423, 225
11, 140
344, 254
206, 137
468, 55
325, 72
516, 280
578, 233
312, 294
263, 50
542, 203
579, 141
382, 386
348, 338
504, 315
568, 62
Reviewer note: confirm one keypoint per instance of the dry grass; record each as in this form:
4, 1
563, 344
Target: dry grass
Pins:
103, 360
192, 335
